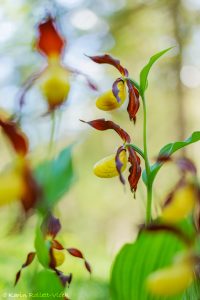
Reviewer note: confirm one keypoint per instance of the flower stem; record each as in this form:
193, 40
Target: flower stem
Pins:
51, 142
147, 165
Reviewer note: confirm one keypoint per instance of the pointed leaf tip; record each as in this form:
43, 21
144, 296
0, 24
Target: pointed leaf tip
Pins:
145, 71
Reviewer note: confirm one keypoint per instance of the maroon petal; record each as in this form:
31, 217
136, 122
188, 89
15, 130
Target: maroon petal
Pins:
134, 103
32, 192
186, 165
49, 41
107, 59
50, 226
77, 253
27, 85
119, 163
57, 245
90, 82
17, 138
65, 279
29, 260
163, 158
134, 170
115, 89
102, 124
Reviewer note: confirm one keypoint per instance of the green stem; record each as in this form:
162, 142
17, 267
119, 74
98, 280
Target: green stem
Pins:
53, 120
147, 165
137, 149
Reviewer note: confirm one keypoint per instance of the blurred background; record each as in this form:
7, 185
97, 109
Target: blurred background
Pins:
98, 215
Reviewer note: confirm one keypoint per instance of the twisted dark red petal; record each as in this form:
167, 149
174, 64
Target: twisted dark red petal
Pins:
134, 103
17, 138
102, 124
49, 41
108, 59
134, 170
77, 253
29, 259
32, 192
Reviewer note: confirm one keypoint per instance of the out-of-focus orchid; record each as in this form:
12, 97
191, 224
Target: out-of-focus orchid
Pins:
54, 77
17, 182
55, 251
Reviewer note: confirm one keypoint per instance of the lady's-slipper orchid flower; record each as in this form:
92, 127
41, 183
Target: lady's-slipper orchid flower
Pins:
17, 182
115, 164
56, 257
185, 196
114, 98
180, 203
172, 280
54, 78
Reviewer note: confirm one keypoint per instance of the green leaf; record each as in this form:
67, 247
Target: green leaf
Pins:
55, 177
46, 282
133, 264
168, 150
42, 248
145, 71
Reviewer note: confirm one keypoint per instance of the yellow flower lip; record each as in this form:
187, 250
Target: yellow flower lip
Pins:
59, 256
54, 84
181, 204
107, 100
106, 167
171, 280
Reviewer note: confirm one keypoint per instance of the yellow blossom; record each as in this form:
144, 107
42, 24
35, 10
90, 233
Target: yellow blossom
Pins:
106, 167
107, 101
181, 204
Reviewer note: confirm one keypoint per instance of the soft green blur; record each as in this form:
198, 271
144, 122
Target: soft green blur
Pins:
98, 215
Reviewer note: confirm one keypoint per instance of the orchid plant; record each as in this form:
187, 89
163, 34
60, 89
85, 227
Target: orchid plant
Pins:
140, 270
39, 188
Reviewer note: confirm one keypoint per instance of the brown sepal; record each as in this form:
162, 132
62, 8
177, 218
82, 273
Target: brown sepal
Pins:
108, 59
32, 192
57, 245
49, 41
17, 138
29, 259
77, 253
119, 163
134, 170
134, 103
102, 124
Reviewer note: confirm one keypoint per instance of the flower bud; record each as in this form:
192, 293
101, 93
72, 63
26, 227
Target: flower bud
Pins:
106, 167
107, 101
181, 204
55, 84
172, 280
59, 257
